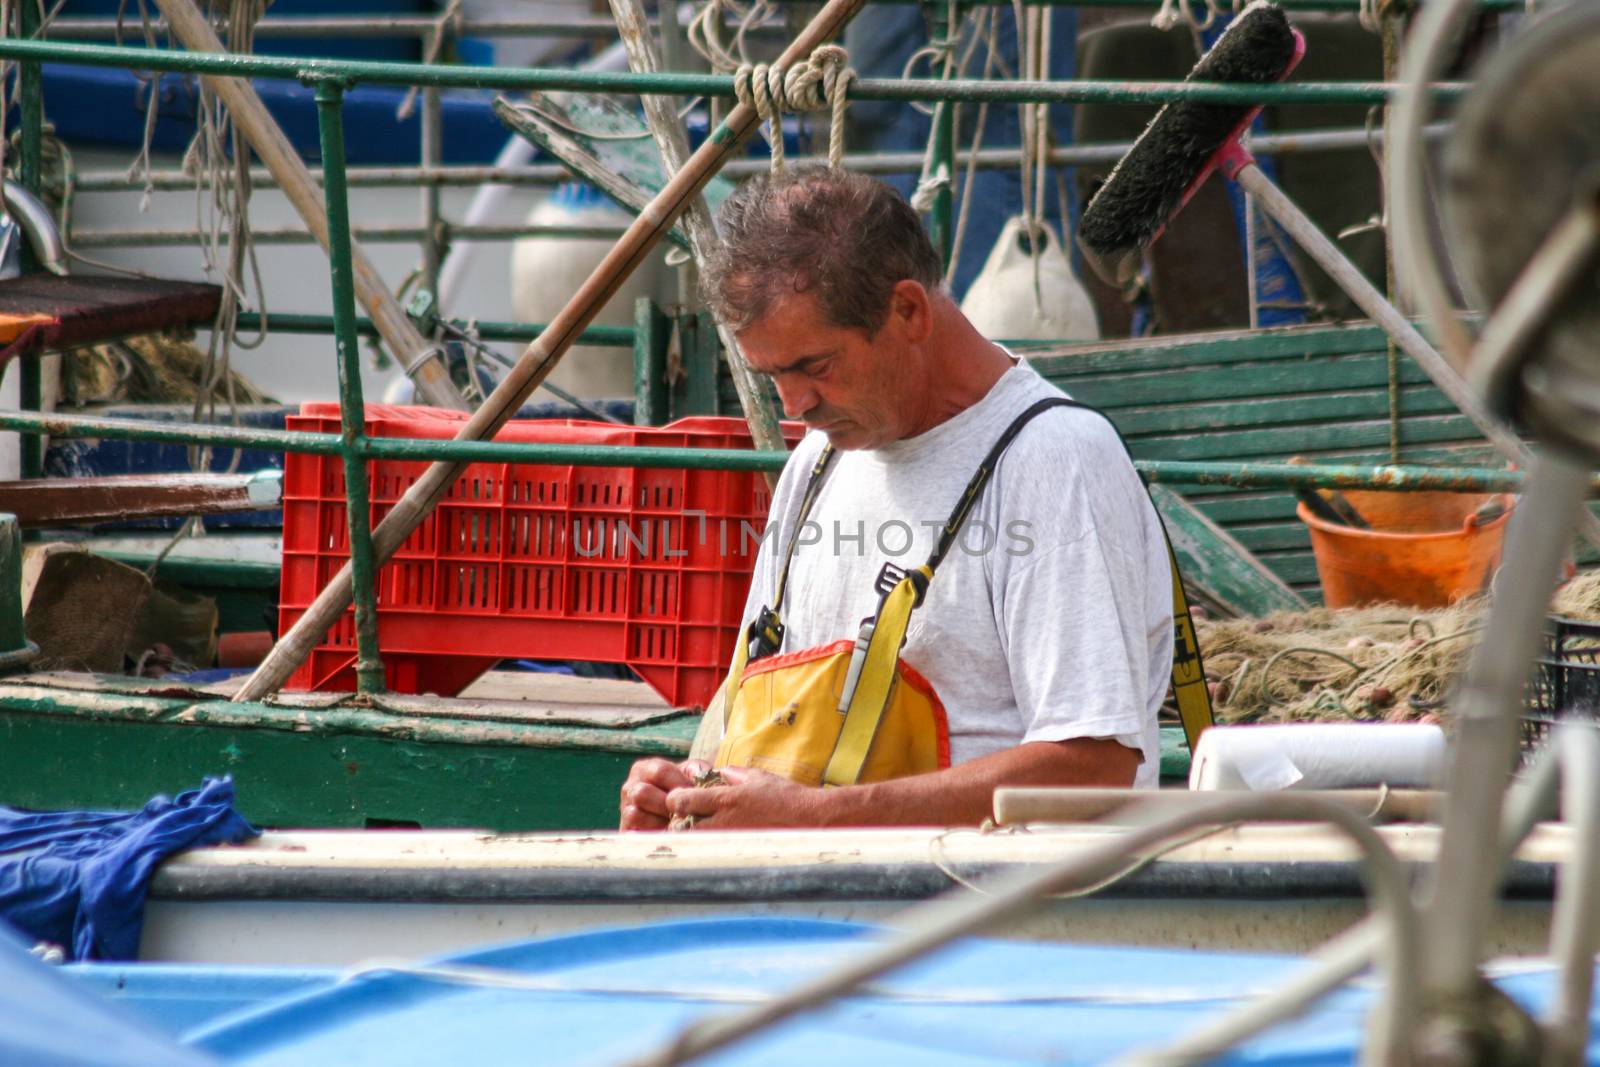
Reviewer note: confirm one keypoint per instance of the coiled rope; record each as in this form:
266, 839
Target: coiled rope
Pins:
819, 83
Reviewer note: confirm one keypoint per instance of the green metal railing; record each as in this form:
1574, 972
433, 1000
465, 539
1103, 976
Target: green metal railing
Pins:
1397, 477
960, 90
332, 77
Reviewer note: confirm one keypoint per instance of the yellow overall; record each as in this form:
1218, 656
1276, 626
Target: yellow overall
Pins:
853, 711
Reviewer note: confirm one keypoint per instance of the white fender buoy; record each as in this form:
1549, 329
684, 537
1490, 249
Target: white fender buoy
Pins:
546, 271
1003, 304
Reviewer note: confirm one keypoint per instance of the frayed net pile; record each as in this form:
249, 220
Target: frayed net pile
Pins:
1386, 663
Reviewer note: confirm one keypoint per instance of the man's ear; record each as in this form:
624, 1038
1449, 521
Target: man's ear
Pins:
911, 306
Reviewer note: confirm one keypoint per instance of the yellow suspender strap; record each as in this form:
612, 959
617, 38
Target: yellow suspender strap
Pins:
1188, 673
870, 697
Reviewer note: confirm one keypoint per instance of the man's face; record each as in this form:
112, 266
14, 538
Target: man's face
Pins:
854, 388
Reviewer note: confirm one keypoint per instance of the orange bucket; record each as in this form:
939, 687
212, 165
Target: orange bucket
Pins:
1426, 550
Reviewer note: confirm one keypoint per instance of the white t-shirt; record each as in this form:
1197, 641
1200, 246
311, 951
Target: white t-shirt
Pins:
1052, 616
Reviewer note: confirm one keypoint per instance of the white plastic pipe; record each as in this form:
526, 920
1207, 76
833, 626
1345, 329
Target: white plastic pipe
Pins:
1319, 756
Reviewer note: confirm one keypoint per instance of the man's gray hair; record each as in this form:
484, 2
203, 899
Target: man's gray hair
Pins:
846, 237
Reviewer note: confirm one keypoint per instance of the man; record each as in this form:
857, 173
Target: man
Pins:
1046, 634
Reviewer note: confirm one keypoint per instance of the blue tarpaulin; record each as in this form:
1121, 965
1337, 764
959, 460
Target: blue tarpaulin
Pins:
78, 878
51, 1021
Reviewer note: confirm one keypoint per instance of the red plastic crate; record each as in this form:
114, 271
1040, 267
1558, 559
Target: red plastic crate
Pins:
606, 564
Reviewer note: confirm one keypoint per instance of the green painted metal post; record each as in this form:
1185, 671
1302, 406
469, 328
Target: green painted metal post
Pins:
30, 96
352, 408
651, 332
695, 393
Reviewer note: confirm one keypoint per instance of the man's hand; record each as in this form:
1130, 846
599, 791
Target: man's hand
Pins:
748, 798
644, 794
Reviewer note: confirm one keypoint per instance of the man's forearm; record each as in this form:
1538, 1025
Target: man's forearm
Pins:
964, 795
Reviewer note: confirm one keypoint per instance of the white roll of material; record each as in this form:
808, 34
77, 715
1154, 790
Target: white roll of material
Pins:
1319, 756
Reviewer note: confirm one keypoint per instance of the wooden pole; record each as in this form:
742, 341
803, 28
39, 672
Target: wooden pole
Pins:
539, 359
667, 129
415, 353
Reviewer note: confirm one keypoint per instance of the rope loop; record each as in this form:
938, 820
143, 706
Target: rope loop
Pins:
820, 83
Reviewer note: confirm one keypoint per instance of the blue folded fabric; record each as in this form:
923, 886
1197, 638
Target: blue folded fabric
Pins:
78, 878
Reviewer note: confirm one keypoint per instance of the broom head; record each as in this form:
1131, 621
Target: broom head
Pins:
1181, 146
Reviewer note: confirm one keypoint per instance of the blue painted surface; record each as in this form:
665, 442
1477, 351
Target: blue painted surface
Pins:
49, 1020
89, 105
609, 995
403, 49
176, 998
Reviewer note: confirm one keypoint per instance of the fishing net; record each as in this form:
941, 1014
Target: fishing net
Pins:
156, 368
1385, 663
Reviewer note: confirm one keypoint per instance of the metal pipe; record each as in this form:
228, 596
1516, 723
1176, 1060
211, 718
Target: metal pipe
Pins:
1403, 479
38, 226
1575, 921
542, 174
288, 322
294, 235
352, 405
227, 65
78, 29
398, 448
431, 153
1464, 879
1235, 475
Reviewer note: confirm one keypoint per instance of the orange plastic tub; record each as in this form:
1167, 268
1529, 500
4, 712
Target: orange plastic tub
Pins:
1425, 550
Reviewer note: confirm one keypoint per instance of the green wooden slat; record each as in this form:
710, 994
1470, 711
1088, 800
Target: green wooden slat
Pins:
1272, 536
1119, 357
1367, 370
1278, 411
1243, 509
1296, 440
1296, 568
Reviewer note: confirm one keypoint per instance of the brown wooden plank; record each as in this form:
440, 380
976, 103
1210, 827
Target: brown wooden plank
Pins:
84, 309
74, 501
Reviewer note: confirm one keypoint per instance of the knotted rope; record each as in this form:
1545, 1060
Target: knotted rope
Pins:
816, 84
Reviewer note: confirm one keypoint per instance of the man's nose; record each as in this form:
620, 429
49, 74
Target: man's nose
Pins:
796, 396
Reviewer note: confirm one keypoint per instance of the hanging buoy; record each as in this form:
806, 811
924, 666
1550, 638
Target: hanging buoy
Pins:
1004, 304
546, 271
